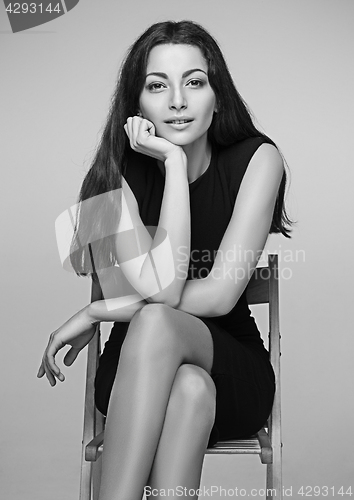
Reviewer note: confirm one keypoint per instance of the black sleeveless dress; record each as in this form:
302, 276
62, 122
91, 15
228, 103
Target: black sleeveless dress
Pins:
241, 369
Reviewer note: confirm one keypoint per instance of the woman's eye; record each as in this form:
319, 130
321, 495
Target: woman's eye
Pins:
155, 86
195, 83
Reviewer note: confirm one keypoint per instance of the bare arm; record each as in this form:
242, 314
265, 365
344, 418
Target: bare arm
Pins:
120, 310
249, 226
78, 330
151, 265
153, 271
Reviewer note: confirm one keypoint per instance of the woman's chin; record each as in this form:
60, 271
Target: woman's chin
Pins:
179, 139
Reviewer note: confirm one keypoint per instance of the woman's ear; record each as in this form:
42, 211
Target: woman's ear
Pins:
139, 113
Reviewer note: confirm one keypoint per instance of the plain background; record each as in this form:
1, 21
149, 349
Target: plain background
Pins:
292, 62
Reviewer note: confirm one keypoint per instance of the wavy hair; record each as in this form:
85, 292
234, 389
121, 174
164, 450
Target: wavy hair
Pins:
232, 123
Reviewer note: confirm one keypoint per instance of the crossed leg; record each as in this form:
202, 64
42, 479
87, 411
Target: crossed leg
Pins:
189, 418
162, 396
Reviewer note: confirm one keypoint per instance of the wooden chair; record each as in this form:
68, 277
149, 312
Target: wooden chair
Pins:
262, 289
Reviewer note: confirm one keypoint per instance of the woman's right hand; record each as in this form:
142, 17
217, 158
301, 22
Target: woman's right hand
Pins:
76, 332
141, 134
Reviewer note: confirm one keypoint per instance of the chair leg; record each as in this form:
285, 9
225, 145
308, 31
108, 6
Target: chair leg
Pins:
96, 477
274, 477
85, 481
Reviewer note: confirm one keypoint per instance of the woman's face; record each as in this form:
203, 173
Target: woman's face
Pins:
177, 96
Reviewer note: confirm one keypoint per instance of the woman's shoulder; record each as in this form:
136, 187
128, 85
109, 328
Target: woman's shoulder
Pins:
234, 159
244, 149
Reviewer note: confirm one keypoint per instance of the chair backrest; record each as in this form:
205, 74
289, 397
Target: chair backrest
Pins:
93, 419
262, 288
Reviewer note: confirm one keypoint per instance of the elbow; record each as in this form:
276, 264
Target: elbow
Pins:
215, 301
222, 307
225, 299
212, 308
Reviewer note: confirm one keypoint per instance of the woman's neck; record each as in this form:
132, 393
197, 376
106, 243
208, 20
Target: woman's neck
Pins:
198, 158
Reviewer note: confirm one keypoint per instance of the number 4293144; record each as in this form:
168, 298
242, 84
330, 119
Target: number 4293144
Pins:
324, 491
32, 8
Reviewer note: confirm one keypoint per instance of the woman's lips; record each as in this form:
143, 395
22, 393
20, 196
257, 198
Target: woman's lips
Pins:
179, 124
179, 121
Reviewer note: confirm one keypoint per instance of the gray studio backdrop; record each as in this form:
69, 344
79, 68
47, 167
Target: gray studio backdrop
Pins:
292, 62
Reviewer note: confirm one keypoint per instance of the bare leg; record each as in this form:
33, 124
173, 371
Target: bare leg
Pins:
189, 418
159, 340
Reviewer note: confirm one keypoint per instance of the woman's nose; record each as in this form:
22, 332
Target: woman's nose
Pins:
178, 100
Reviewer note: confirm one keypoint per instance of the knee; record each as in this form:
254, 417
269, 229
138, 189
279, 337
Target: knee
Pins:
150, 332
151, 316
194, 390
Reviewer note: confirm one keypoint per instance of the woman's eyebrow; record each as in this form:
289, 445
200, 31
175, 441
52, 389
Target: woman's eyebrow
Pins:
185, 74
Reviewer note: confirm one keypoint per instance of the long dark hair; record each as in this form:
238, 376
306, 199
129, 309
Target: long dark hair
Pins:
230, 124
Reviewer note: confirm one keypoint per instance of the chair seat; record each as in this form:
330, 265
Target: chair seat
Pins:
259, 444
249, 445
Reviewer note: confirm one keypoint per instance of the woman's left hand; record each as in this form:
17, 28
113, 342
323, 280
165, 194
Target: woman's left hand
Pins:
143, 139
77, 332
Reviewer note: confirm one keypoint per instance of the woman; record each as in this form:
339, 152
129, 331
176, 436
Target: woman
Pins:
180, 149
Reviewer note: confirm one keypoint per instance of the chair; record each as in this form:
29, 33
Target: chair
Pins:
262, 288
